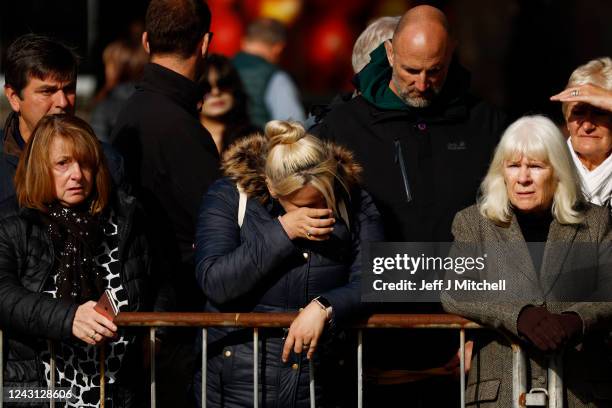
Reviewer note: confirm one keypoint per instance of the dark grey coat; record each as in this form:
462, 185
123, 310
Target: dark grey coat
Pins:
588, 372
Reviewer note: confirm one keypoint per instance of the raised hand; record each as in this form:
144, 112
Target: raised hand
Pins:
314, 224
591, 94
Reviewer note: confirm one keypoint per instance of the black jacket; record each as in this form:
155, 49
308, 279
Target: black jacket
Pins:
170, 158
170, 162
257, 268
420, 165
29, 317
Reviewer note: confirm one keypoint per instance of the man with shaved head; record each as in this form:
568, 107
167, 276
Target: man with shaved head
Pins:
424, 142
420, 55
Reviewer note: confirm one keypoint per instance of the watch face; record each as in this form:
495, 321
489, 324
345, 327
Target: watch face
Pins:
323, 301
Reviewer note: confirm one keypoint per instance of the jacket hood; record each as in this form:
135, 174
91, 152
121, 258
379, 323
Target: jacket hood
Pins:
373, 83
244, 163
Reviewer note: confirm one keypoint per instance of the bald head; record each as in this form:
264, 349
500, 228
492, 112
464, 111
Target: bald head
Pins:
421, 16
420, 54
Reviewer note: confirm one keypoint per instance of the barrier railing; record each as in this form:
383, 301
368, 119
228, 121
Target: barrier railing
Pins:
283, 320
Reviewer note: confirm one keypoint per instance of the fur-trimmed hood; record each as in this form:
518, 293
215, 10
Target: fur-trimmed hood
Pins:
244, 162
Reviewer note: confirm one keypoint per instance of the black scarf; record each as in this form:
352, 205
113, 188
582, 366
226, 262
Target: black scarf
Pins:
76, 236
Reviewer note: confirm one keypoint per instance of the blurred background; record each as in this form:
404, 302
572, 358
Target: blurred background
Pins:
519, 51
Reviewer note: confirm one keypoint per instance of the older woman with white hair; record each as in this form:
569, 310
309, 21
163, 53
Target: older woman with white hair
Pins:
587, 109
531, 194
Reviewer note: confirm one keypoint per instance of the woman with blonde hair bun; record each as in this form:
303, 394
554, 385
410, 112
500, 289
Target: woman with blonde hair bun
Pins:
283, 232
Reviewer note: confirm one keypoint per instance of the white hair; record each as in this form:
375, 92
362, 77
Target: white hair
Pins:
597, 72
375, 34
539, 138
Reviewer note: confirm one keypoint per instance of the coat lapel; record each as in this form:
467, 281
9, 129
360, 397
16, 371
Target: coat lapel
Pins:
518, 257
558, 244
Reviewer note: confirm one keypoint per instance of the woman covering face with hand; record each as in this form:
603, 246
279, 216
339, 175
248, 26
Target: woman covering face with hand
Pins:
298, 249
587, 109
72, 239
554, 253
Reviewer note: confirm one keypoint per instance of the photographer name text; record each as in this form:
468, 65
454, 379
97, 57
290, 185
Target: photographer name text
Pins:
439, 284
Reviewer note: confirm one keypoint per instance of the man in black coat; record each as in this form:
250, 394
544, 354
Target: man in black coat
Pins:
425, 143
171, 160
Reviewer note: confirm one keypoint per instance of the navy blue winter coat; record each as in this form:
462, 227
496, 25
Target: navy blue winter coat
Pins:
257, 268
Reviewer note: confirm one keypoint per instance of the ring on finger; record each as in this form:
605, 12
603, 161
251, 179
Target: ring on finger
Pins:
575, 92
93, 336
308, 234
305, 346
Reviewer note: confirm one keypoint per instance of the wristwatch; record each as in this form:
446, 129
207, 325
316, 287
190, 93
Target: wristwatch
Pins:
325, 305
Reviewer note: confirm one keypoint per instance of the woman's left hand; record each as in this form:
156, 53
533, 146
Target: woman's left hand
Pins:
305, 331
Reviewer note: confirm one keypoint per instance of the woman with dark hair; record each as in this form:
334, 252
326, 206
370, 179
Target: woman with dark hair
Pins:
224, 107
73, 239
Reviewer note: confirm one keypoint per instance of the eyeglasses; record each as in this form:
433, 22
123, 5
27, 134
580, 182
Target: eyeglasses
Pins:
222, 85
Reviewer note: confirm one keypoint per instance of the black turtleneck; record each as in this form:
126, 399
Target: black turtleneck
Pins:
534, 227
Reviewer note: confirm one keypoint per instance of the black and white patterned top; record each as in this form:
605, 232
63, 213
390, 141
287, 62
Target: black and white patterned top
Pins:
77, 363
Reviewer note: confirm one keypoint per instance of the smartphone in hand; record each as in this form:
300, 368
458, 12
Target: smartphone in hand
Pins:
106, 306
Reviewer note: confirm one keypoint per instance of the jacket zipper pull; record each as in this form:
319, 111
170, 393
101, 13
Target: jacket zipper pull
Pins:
399, 157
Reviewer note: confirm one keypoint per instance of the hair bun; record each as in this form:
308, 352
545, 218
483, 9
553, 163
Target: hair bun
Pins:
284, 132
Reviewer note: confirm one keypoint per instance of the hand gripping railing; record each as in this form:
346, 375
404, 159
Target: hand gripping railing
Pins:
282, 320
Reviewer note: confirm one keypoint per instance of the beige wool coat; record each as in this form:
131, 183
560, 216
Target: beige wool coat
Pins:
587, 366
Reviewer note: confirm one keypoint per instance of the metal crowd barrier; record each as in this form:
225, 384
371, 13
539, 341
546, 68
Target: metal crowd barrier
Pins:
282, 320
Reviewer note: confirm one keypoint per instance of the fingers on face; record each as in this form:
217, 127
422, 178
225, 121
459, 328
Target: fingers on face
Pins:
318, 234
318, 212
322, 222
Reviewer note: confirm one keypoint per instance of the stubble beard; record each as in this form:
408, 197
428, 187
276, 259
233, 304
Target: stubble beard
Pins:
414, 101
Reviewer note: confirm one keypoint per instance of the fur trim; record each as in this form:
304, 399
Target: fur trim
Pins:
244, 161
348, 169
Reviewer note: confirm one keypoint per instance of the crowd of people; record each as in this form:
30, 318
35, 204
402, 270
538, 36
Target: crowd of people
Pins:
199, 185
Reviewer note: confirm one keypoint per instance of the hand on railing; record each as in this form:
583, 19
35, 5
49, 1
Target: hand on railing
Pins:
90, 326
305, 331
548, 331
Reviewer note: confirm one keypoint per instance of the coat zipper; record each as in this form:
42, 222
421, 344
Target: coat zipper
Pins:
399, 157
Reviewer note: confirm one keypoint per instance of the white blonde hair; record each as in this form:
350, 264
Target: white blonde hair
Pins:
597, 72
539, 138
296, 158
375, 34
